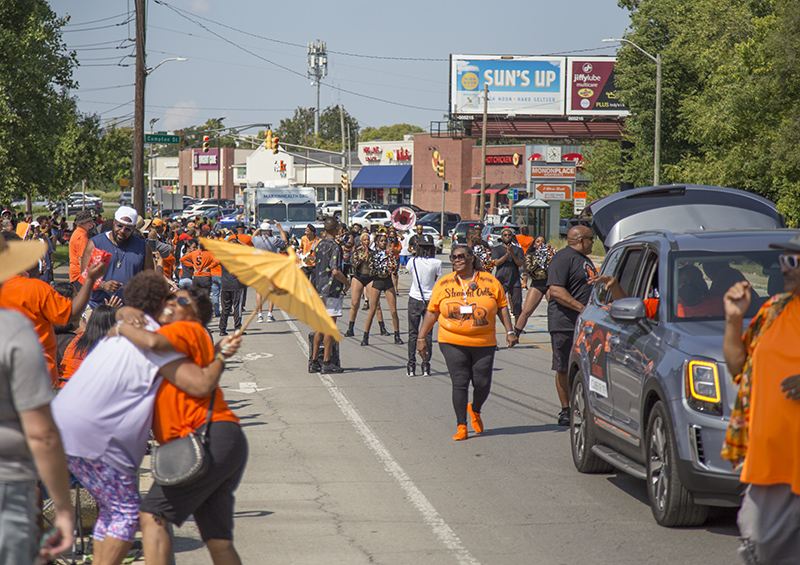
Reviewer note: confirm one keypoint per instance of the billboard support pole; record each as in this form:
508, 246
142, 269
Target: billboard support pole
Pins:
481, 211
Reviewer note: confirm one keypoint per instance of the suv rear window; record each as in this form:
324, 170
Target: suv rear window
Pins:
700, 279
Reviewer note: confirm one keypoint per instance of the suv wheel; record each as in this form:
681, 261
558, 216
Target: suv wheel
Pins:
671, 503
581, 431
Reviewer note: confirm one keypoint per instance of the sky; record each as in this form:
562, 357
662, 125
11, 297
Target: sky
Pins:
247, 59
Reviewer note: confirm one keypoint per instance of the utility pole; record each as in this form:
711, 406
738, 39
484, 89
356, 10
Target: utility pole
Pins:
138, 111
345, 201
317, 70
483, 153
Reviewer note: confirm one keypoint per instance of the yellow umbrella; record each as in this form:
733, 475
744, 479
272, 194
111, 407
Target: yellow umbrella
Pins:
278, 279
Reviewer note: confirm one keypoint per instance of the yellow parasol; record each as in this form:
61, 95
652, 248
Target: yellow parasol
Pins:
276, 278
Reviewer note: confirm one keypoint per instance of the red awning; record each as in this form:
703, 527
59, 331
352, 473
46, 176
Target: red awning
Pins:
496, 188
472, 191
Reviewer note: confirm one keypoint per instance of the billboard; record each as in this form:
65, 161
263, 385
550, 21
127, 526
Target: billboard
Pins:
591, 89
522, 86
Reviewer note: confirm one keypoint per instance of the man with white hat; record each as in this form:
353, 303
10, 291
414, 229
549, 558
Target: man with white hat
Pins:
129, 255
263, 239
30, 444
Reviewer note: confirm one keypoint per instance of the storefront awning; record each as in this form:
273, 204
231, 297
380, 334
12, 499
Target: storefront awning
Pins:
472, 190
531, 203
496, 188
383, 176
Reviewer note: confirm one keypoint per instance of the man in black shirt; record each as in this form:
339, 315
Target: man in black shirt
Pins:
331, 283
508, 257
568, 281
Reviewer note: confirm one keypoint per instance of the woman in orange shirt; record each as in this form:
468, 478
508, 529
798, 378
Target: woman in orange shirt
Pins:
466, 303
203, 263
210, 499
101, 320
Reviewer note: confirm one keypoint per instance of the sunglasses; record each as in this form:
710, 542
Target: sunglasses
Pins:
182, 300
120, 227
459, 257
789, 261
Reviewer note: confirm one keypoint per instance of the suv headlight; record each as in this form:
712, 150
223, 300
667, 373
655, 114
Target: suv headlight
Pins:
702, 387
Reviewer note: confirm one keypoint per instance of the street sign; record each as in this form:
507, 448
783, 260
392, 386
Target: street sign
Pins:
512, 194
161, 138
547, 191
579, 203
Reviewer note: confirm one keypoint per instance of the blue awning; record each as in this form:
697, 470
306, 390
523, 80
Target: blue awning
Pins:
383, 176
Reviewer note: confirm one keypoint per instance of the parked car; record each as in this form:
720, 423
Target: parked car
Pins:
125, 199
491, 234
434, 219
197, 210
650, 393
438, 240
74, 204
370, 219
459, 233
566, 224
366, 206
417, 210
35, 203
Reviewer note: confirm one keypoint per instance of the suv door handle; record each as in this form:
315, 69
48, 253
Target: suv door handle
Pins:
613, 339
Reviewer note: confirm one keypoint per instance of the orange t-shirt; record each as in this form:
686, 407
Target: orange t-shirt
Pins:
77, 245
176, 413
44, 307
524, 242
307, 247
168, 263
773, 454
709, 307
201, 261
242, 237
467, 320
70, 362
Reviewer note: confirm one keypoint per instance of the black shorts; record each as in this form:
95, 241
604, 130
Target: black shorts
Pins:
363, 278
540, 285
562, 346
382, 283
209, 500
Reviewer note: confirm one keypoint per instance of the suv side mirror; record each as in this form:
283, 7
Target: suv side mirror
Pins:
628, 310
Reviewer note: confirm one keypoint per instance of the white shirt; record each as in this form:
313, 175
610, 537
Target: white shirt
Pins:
105, 410
424, 271
406, 239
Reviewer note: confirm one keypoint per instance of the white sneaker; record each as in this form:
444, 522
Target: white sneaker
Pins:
270, 317
260, 318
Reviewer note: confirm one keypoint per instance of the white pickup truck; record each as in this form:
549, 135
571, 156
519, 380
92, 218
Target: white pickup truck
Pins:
369, 218
335, 208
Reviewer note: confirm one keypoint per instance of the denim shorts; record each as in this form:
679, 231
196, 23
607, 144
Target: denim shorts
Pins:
19, 530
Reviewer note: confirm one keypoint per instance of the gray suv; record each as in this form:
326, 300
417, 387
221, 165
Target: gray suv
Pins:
649, 390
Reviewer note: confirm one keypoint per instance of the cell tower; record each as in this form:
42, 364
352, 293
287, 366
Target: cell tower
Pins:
317, 70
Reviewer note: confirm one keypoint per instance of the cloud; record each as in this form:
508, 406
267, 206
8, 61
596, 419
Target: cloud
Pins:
181, 115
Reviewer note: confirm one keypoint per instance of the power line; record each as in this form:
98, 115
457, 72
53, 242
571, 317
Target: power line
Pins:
97, 21
100, 43
106, 87
94, 28
292, 71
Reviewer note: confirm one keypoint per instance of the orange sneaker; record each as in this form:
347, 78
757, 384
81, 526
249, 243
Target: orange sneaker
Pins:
461, 434
477, 423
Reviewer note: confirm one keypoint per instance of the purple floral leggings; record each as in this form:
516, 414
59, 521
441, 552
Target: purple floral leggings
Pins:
116, 494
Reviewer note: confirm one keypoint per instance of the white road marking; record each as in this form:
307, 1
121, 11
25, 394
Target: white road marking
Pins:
429, 514
256, 356
247, 388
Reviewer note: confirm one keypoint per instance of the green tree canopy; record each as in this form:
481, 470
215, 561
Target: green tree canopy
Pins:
389, 133
299, 129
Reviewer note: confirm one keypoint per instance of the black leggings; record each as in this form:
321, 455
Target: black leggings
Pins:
467, 364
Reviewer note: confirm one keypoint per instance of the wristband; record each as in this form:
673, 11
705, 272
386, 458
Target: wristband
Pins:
118, 325
511, 332
220, 358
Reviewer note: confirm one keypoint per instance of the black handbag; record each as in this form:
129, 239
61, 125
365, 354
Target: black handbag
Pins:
184, 460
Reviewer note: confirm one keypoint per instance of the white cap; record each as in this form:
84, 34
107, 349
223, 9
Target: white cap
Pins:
126, 216
265, 226
35, 224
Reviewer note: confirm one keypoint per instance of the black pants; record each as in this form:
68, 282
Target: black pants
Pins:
203, 282
514, 295
468, 364
416, 312
230, 300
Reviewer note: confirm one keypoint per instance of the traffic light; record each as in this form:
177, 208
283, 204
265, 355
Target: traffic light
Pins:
275, 147
440, 168
206, 140
268, 139
446, 186
345, 181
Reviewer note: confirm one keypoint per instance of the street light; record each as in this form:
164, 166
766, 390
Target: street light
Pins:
150, 169
657, 148
150, 70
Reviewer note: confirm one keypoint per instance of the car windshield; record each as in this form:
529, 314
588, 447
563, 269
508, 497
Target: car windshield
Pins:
360, 214
700, 279
276, 212
430, 216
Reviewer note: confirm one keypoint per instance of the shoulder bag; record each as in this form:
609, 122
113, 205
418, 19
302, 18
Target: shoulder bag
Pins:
184, 460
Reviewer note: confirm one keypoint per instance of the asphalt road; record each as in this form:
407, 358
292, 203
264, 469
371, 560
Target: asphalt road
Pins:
361, 468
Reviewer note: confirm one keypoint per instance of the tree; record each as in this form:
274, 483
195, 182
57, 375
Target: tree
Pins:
389, 133
35, 109
114, 156
299, 130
